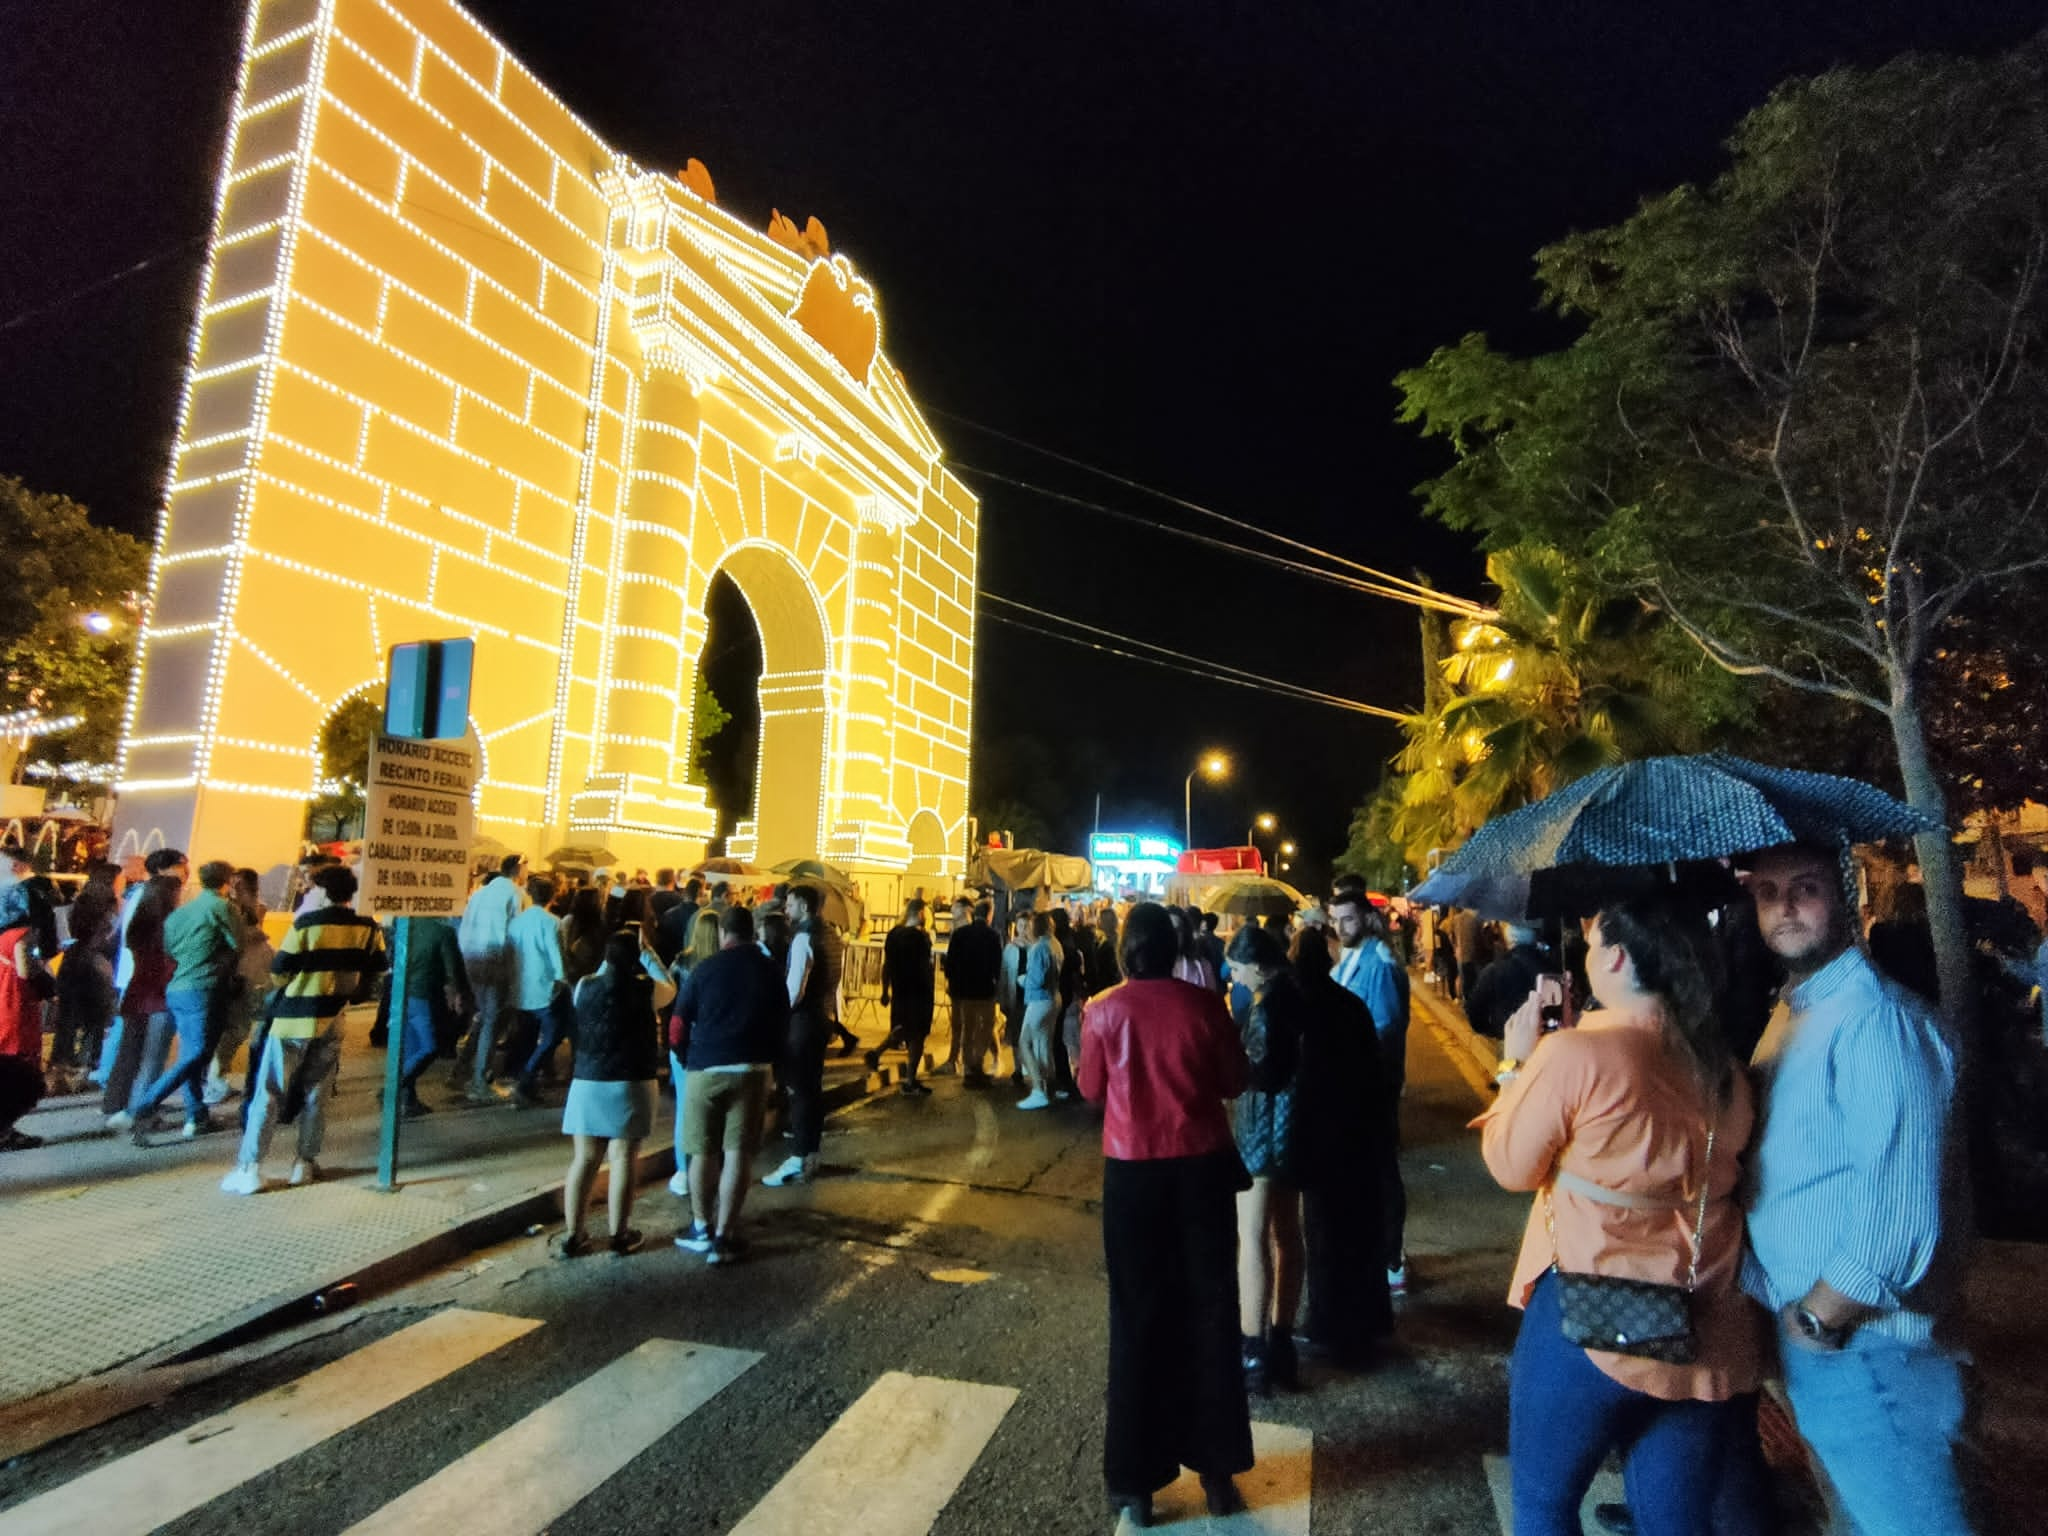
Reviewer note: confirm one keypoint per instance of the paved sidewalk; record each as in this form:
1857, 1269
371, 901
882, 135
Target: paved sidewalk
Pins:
112, 1254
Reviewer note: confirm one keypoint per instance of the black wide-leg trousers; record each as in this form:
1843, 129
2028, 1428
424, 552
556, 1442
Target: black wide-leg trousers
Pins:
1176, 1380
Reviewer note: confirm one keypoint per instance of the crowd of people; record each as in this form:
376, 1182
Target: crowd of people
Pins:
1729, 1186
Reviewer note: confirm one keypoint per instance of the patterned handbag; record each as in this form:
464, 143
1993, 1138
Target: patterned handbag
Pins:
1629, 1317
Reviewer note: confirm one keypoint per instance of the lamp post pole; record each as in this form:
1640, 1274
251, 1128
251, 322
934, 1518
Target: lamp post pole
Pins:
1215, 765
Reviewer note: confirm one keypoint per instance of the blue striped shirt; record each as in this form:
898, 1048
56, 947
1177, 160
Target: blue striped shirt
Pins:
1857, 1081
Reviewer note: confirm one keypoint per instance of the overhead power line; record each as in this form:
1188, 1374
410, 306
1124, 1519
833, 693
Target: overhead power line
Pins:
1415, 591
1175, 661
133, 269
1440, 602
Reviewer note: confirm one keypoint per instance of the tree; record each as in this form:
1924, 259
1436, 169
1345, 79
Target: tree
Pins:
1806, 416
708, 718
345, 742
64, 570
1373, 853
1026, 827
1568, 676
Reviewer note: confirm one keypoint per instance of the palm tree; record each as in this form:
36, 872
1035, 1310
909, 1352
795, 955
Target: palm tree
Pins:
1563, 679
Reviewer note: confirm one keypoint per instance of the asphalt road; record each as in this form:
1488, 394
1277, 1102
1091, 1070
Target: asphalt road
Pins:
954, 1239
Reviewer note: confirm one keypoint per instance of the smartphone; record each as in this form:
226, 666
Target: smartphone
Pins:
1552, 1005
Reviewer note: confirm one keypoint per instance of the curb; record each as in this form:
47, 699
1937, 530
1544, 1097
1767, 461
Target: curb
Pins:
1475, 1056
407, 1261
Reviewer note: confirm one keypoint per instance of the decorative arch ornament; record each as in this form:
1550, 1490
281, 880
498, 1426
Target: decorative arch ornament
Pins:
461, 369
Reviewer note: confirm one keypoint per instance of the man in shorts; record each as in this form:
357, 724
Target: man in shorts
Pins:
731, 1019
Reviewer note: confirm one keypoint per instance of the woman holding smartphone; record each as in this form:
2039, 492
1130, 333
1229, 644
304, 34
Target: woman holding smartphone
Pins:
1631, 1126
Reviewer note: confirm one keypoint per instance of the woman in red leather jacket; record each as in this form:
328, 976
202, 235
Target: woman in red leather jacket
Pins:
1160, 1056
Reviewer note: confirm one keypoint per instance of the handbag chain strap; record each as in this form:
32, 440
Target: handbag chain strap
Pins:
1699, 1224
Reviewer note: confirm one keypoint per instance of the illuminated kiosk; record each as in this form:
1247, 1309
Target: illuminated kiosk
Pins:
1133, 862
462, 369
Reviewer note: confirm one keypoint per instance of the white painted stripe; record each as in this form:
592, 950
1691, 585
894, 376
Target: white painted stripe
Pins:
518, 1482
888, 1464
176, 1475
1276, 1490
1606, 1489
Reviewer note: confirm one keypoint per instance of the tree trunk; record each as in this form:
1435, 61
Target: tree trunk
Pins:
1940, 871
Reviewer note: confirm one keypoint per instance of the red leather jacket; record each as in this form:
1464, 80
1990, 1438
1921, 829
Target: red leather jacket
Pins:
1160, 1057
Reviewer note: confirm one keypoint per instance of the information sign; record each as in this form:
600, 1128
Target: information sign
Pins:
419, 828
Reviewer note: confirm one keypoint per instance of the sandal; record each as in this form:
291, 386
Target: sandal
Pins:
573, 1245
628, 1241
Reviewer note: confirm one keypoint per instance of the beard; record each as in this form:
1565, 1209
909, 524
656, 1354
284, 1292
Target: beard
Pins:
1805, 950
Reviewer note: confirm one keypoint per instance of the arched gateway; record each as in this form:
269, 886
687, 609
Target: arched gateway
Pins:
461, 369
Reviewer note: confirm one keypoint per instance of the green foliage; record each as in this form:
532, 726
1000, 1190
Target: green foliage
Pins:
1026, 827
1567, 677
708, 718
1373, 853
335, 814
62, 568
1806, 417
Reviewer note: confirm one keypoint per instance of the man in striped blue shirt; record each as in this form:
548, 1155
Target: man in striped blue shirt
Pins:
1847, 1222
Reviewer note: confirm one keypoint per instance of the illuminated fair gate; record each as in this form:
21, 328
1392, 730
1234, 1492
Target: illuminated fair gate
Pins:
461, 369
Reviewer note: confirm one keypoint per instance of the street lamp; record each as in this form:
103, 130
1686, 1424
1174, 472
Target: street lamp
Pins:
1214, 765
1266, 822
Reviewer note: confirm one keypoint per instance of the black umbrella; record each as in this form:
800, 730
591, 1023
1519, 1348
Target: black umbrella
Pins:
1661, 813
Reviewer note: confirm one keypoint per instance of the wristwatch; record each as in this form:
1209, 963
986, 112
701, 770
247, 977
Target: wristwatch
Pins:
1812, 1328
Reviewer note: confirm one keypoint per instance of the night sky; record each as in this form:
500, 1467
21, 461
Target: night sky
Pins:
1188, 242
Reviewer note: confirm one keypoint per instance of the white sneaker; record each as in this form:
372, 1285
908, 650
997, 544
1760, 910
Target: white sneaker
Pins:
795, 1170
679, 1184
1034, 1100
246, 1180
195, 1128
1397, 1279
120, 1120
305, 1171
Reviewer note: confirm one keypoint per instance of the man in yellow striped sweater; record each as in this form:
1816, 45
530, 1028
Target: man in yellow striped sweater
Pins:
329, 959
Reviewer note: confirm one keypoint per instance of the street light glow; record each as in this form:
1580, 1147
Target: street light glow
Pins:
1215, 765
1286, 851
1267, 821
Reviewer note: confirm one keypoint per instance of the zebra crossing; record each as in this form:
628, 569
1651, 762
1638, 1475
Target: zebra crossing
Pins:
887, 1466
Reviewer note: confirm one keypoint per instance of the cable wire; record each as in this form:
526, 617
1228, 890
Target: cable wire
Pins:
1179, 661
1440, 602
22, 317
1415, 587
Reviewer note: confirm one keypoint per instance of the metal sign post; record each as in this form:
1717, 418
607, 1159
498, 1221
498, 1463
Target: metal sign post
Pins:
418, 828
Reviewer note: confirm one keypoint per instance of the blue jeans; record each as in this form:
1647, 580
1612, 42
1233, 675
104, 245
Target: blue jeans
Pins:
199, 1014
421, 1042
1883, 1418
1565, 1414
554, 1022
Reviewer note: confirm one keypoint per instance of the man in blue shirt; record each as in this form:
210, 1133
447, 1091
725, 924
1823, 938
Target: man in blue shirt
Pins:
1846, 1221
1367, 969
